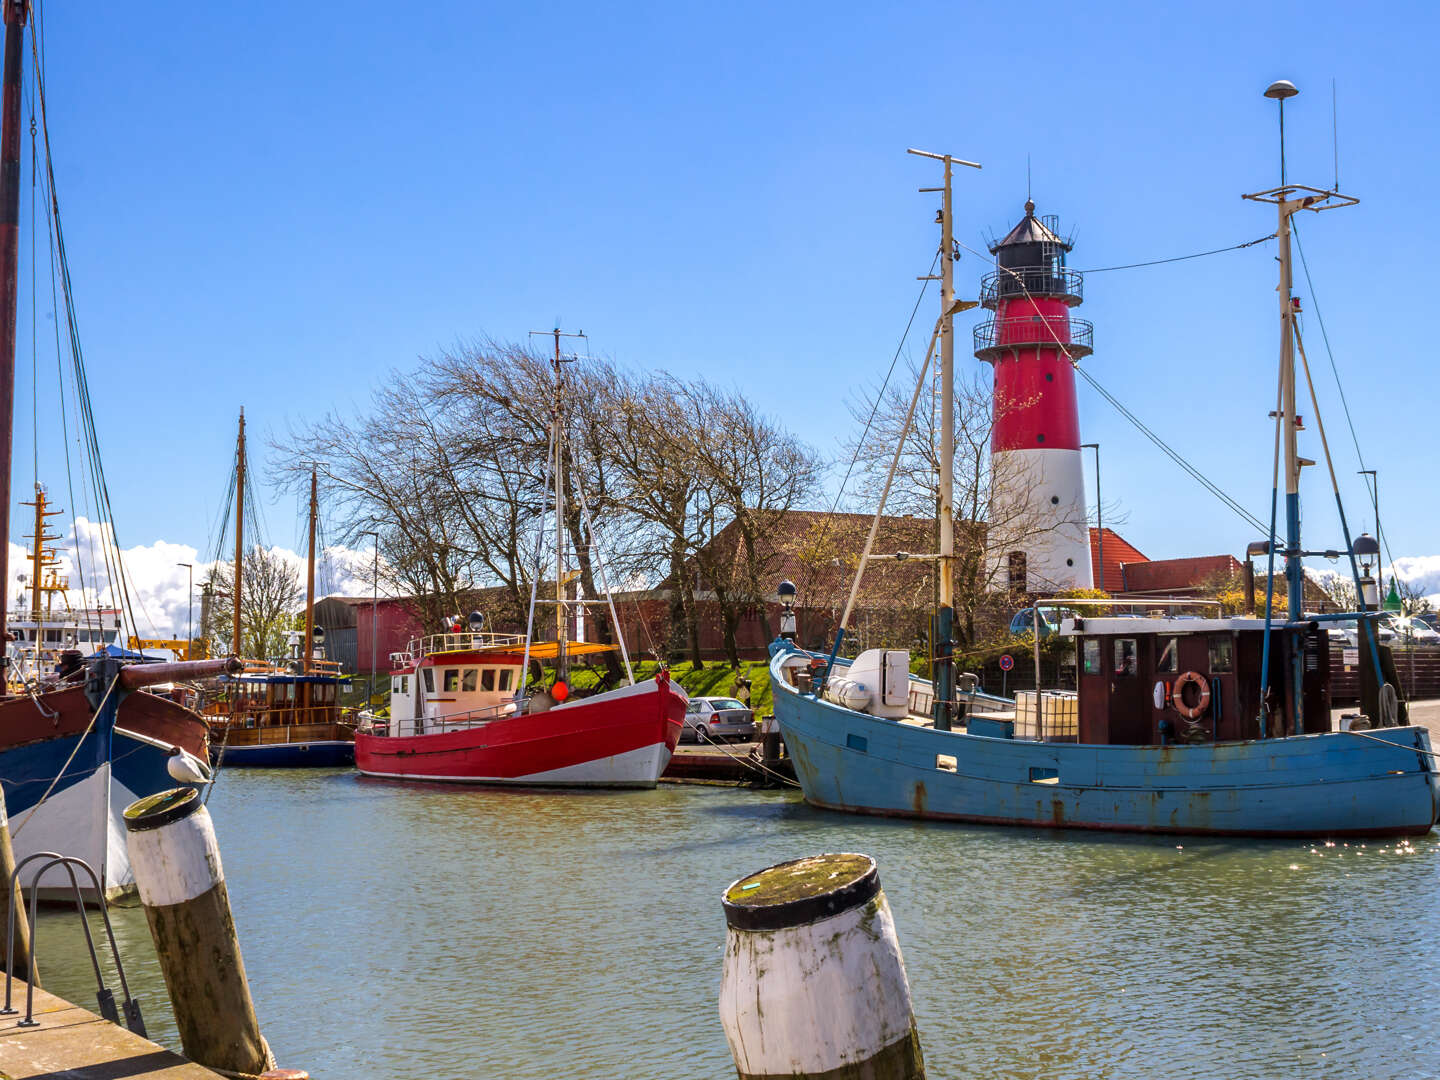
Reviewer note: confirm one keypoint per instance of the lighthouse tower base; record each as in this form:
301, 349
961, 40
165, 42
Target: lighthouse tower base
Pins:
1038, 538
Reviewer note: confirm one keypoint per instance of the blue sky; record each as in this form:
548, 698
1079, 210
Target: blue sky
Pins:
279, 208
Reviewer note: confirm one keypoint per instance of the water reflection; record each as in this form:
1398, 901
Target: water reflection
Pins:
401, 929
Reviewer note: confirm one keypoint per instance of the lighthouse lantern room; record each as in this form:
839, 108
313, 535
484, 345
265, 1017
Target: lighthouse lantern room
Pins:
1038, 537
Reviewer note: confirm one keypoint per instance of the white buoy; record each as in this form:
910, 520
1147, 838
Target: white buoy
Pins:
813, 982
176, 862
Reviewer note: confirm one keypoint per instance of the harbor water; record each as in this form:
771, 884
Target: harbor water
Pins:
413, 930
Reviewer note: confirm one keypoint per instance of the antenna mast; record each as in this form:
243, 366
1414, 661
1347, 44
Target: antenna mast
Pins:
944, 675
239, 530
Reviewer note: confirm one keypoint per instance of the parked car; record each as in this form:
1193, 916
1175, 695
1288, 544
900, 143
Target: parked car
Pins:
1430, 619
717, 719
1409, 631
1050, 618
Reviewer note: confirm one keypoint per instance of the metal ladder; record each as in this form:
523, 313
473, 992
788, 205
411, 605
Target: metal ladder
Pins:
103, 995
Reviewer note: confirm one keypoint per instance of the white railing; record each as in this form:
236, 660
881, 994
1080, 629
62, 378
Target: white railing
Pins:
436, 725
437, 643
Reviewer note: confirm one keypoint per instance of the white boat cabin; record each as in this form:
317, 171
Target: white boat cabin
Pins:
449, 685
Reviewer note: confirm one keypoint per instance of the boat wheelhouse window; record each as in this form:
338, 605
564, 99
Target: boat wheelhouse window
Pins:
487, 680
507, 679
395, 687
469, 682
1126, 662
1222, 654
1092, 656
405, 684
429, 680
1170, 657
452, 680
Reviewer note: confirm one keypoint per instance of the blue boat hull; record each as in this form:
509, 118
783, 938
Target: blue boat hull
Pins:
315, 754
1333, 784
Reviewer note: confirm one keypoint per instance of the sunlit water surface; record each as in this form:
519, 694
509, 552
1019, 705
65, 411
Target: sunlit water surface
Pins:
403, 930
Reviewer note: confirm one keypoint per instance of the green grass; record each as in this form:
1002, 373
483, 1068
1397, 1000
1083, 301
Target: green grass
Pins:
713, 680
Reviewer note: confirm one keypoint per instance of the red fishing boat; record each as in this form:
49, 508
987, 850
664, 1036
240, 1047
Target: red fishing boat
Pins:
456, 714
461, 710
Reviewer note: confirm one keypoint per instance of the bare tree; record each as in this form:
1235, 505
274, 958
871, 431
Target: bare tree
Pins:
270, 595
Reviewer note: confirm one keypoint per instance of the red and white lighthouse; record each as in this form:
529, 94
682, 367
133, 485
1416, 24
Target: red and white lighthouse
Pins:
1038, 537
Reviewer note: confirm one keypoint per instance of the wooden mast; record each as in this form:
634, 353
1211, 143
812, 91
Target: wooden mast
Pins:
310, 583
17, 12
239, 530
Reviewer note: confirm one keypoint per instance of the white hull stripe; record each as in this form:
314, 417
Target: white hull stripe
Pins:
636, 768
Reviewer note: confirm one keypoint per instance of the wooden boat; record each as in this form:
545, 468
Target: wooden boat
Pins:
282, 713
1179, 725
459, 710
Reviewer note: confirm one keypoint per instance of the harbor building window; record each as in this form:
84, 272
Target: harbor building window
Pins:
429, 680
468, 684
1092, 656
487, 680
1222, 655
1015, 565
452, 680
1170, 657
1125, 656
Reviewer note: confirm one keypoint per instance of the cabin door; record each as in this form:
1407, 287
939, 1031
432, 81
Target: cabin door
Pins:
1130, 705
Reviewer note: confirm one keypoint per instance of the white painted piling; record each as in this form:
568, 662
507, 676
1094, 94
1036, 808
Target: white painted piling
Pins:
813, 984
176, 862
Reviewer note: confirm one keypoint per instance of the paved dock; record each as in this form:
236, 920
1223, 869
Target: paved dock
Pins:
74, 1044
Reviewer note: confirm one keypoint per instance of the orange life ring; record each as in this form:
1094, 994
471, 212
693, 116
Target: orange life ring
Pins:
1177, 695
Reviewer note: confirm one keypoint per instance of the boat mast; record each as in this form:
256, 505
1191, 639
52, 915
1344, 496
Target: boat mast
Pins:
310, 579
557, 441
17, 12
944, 670
239, 529
1289, 199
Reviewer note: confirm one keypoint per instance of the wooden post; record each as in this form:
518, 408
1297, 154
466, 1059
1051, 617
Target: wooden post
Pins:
21, 921
176, 862
813, 984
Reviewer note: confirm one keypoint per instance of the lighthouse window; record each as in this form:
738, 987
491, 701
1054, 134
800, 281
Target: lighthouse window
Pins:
469, 683
1016, 568
1049, 376
1054, 500
1040, 438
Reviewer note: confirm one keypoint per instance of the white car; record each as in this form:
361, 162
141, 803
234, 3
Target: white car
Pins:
1409, 631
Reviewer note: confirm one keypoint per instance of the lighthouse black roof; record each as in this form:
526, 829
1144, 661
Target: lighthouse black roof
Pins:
1030, 230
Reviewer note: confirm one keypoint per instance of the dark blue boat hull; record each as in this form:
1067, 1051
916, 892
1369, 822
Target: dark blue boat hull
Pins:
1333, 784
318, 754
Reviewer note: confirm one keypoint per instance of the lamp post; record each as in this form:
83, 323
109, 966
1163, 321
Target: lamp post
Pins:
1375, 504
374, 610
1099, 513
189, 611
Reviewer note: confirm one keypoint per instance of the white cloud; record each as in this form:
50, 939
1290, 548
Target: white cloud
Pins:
159, 586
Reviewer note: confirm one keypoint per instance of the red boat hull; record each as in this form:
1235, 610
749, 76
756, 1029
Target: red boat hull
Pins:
623, 738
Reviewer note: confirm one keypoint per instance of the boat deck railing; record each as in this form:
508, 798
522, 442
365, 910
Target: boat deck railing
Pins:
447, 722
419, 647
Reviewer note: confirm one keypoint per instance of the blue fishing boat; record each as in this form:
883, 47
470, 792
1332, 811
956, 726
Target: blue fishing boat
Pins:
1209, 725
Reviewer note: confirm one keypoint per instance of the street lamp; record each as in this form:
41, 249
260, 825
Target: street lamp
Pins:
374, 610
1375, 504
189, 611
1099, 519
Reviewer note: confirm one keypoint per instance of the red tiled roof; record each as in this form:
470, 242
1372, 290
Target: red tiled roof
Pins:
1117, 551
1174, 575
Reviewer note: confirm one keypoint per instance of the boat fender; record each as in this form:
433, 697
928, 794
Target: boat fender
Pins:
1162, 694
1202, 702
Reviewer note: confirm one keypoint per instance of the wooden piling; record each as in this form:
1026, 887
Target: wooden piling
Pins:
21, 920
176, 862
813, 984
